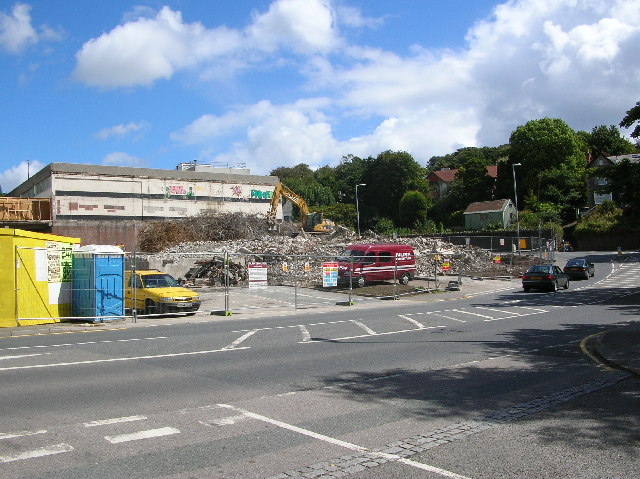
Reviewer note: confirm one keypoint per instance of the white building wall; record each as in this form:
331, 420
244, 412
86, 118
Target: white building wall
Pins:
101, 197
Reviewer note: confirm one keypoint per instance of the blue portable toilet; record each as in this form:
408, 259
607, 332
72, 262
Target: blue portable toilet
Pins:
97, 279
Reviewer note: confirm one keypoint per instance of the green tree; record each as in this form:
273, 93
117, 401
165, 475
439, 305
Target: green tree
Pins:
607, 140
624, 183
632, 116
413, 209
388, 177
489, 155
546, 149
348, 174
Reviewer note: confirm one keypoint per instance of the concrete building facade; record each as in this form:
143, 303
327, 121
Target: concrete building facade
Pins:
109, 204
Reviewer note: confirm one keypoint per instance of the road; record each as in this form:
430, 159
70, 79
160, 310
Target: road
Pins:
492, 385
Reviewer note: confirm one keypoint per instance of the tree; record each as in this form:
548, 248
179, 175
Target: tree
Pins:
607, 140
624, 183
348, 174
488, 155
547, 148
632, 116
388, 177
413, 209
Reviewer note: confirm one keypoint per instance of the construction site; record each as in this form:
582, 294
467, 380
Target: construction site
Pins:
215, 250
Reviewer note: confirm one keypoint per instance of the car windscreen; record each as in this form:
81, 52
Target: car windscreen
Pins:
575, 262
350, 254
159, 281
539, 269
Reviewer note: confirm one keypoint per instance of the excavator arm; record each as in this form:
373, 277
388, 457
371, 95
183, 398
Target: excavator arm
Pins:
313, 222
280, 191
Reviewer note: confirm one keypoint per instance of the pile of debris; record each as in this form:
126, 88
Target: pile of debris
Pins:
299, 258
160, 235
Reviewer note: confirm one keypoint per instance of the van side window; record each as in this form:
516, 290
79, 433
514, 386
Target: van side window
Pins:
385, 256
134, 281
370, 258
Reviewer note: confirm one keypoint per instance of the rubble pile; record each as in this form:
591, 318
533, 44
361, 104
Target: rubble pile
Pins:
160, 235
202, 262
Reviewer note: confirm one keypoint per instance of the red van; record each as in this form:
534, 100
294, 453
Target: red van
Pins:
376, 262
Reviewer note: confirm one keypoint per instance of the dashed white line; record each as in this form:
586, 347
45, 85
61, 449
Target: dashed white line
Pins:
114, 360
137, 436
40, 452
114, 420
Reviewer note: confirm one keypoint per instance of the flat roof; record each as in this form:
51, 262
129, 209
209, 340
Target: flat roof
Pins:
126, 171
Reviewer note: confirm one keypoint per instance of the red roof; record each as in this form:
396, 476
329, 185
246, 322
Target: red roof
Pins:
447, 175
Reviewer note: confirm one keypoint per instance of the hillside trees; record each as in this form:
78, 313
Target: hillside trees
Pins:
552, 167
607, 140
388, 177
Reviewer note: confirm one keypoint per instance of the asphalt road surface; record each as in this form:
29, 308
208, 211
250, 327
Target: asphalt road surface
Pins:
492, 385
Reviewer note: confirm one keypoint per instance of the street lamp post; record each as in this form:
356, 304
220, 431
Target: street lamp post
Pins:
515, 195
358, 207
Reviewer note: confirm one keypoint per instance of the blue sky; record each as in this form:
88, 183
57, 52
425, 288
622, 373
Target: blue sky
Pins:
281, 82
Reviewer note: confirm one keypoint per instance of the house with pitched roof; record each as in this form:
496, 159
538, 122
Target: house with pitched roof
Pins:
481, 214
596, 186
439, 180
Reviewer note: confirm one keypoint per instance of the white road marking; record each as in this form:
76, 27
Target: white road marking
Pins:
306, 335
136, 436
360, 336
81, 343
22, 356
114, 360
411, 320
241, 339
224, 421
40, 452
363, 326
511, 313
447, 317
11, 435
338, 442
114, 420
473, 314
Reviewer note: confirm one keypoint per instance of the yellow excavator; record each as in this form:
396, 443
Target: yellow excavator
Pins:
312, 222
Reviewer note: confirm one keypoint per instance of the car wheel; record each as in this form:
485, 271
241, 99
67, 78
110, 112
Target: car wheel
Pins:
566, 285
361, 281
404, 279
150, 307
554, 286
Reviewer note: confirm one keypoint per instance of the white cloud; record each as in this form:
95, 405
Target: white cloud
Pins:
18, 174
148, 48
305, 27
16, 31
122, 130
119, 158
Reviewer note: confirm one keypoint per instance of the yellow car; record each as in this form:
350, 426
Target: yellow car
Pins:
154, 292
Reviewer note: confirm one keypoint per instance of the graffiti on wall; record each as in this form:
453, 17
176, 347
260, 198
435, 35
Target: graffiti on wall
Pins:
178, 190
261, 195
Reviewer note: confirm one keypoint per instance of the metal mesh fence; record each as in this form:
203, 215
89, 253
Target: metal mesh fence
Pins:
134, 285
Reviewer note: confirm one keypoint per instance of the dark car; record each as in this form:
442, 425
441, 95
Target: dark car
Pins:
545, 276
580, 268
